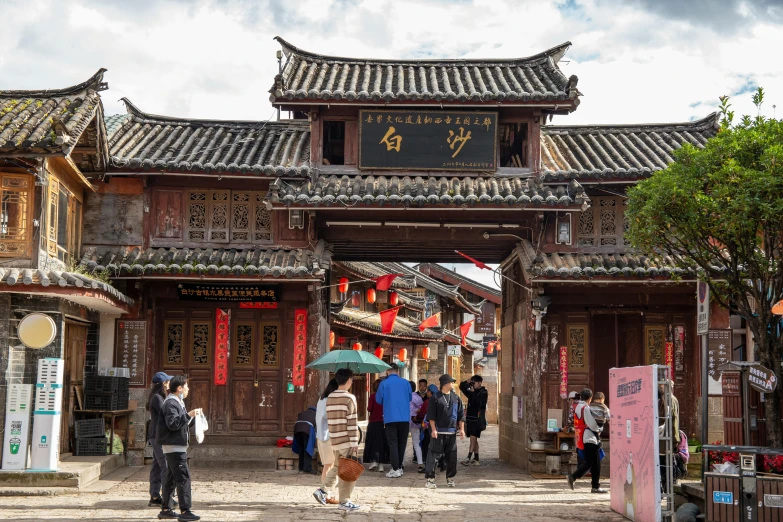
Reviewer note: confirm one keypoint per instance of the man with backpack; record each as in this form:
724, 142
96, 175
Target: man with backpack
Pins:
587, 435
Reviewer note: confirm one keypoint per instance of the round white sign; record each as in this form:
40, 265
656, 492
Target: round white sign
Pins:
36, 331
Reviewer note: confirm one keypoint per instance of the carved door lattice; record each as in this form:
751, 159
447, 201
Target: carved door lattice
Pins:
269, 345
604, 223
654, 341
200, 341
174, 341
15, 212
244, 344
578, 349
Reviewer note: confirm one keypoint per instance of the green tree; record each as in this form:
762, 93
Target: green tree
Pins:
720, 210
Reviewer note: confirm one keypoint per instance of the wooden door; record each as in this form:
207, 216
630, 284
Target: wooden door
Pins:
73, 375
255, 377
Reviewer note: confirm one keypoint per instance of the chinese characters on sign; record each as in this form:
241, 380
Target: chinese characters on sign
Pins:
564, 372
702, 308
131, 343
222, 318
485, 321
234, 293
679, 348
300, 346
428, 140
669, 358
718, 351
731, 384
762, 379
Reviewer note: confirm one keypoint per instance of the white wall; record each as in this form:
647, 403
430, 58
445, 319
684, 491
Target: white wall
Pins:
106, 340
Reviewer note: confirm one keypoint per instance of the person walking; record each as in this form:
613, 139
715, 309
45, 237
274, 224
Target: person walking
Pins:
376, 448
172, 434
425, 425
394, 394
423, 385
160, 388
304, 439
446, 416
341, 412
588, 440
325, 451
600, 410
415, 426
475, 415
667, 415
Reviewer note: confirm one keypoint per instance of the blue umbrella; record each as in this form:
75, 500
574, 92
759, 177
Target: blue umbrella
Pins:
355, 360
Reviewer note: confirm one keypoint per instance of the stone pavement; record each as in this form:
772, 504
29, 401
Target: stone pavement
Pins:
494, 491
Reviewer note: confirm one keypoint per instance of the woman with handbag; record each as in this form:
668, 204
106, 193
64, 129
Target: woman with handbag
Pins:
344, 433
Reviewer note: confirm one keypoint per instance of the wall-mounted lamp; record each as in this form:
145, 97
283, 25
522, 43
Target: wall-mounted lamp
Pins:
295, 218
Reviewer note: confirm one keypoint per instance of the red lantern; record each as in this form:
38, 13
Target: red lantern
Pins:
355, 302
357, 347
497, 345
331, 340
425, 352
371, 295
379, 352
403, 355
343, 286
490, 348
394, 298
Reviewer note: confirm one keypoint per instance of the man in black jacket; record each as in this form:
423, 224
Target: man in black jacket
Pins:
476, 415
446, 416
173, 436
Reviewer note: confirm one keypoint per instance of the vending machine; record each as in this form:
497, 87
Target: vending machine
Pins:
45, 444
18, 406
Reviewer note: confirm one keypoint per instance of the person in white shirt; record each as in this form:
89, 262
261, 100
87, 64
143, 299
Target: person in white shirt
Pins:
325, 451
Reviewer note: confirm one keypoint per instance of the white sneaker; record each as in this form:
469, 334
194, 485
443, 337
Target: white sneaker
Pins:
395, 473
431, 484
348, 506
373, 465
380, 468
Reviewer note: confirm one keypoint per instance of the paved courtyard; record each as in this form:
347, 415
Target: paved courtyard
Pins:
494, 491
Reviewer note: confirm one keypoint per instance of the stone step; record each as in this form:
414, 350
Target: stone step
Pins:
74, 472
230, 464
209, 451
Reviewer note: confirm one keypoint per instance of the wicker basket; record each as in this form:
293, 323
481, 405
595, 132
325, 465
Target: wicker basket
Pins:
349, 469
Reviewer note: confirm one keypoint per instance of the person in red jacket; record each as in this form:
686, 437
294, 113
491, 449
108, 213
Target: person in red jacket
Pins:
376, 447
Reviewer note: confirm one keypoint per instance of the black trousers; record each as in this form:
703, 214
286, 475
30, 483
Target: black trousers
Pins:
305, 460
591, 463
397, 435
177, 476
447, 450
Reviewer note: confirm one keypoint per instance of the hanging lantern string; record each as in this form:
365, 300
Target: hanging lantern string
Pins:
338, 284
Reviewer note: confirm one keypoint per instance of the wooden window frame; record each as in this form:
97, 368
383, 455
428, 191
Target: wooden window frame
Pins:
166, 324
279, 351
211, 230
596, 236
654, 327
210, 342
73, 227
19, 246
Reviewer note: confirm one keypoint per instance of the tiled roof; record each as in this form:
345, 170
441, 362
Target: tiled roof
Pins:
617, 151
183, 262
404, 328
433, 285
409, 191
141, 141
373, 270
26, 277
464, 282
626, 265
54, 122
311, 76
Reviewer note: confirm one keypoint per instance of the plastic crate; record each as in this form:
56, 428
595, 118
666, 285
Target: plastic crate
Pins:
91, 447
106, 401
90, 428
105, 384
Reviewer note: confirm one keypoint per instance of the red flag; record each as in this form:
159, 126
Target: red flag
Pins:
464, 329
383, 283
475, 261
387, 319
430, 322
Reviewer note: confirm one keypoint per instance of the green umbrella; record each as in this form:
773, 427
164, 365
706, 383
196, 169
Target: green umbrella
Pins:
358, 361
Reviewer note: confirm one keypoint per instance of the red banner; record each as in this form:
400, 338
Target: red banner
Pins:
222, 317
669, 358
300, 346
388, 317
264, 306
563, 372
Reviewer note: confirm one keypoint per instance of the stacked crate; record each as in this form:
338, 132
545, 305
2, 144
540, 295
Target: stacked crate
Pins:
90, 438
105, 393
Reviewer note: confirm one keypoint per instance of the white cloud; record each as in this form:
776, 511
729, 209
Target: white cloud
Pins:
215, 58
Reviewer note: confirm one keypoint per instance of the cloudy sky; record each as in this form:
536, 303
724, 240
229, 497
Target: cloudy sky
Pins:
637, 61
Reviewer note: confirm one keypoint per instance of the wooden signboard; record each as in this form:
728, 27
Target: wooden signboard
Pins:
718, 351
223, 293
428, 140
485, 322
131, 349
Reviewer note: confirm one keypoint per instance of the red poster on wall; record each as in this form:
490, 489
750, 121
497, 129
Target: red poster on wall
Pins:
669, 358
222, 316
300, 346
564, 372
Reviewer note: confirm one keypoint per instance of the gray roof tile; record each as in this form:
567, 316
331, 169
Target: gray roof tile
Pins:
141, 141
617, 151
311, 76
26, 277
419, 191
184, 262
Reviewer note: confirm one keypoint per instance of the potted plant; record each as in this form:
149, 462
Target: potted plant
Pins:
694, 446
